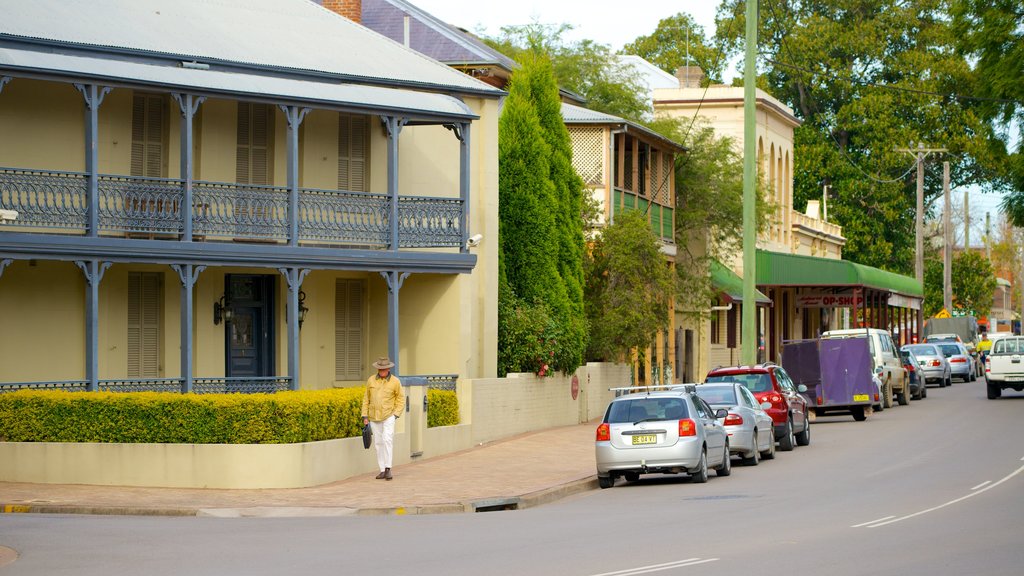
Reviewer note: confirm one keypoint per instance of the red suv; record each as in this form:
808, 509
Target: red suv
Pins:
770, 383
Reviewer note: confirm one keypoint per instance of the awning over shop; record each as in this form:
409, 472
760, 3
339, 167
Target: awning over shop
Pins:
730, 285
778, 269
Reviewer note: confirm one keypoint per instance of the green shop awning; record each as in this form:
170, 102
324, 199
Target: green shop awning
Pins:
731, 285
778, 269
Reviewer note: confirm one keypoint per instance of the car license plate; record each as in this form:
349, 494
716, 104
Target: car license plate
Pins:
1014, 378
861, 398
644, 439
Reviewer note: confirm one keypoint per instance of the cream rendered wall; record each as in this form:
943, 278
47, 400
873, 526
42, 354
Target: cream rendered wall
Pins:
49, 119
42, 305
216, 136
318, 151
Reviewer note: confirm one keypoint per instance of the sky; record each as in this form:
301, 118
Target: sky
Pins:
606, 22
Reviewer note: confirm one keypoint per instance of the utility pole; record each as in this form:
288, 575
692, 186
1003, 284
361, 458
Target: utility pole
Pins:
920, 153
749, 319
947, 244
988, 236
967, 220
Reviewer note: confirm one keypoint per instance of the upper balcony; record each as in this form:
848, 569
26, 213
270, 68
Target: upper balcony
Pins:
54, 202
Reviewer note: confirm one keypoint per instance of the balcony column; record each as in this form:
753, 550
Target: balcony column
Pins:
93, 270
93, 95
462, 133
294, 115
294, 277
188, 274
393, 125
394, 279
188, 104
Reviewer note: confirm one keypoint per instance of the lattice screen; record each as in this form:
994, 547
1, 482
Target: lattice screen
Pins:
588, 153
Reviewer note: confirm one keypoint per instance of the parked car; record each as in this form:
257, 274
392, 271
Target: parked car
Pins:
1004, 367
750, 430
661, 432
887, 361
918, 385
932, 364
961, 364
770, 383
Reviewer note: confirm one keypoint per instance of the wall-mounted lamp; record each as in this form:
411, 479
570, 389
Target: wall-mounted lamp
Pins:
302, 308
221, 311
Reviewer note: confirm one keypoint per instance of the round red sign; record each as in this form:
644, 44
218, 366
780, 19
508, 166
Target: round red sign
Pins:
575, 386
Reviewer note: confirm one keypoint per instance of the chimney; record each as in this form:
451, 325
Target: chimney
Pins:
351, 9
689, 76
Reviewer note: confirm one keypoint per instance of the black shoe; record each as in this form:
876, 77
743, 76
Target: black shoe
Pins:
387, 473
380, 476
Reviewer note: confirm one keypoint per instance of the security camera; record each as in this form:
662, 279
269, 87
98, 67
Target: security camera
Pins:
474, 240
6, 215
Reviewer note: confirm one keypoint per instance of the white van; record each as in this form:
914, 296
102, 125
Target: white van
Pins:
888, 365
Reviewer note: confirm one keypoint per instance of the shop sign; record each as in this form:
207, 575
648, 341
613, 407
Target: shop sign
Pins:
820, 300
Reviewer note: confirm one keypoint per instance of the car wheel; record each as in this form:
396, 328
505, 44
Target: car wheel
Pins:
993, 391
788, 441
948, 381
924, 391
887, 395
904, 396
769, 454
974, 377
726, 468
605, 481
754, 458
631, 476
804, 437
858, 413
700, 475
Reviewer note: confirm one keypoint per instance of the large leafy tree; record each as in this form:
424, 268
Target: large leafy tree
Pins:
990, 32
972, 283
675, 37
586, 68
629, 287
866, 79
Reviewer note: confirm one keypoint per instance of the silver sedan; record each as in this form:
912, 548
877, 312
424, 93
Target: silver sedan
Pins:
751, 435
933, 365
959, 359
657, 432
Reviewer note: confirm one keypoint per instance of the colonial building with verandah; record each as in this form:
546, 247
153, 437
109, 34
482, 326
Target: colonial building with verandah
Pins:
237, 196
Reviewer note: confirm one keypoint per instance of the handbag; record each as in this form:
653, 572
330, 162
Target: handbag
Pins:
367, 436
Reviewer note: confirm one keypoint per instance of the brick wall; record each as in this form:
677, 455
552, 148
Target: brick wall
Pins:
351, 9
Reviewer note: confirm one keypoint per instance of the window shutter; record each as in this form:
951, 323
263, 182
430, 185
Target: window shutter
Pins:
242, 150
349, 303
144, 295
147, 152
260, 147
353, 136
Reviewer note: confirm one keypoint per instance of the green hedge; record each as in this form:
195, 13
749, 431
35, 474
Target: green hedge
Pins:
159, 417
442, 408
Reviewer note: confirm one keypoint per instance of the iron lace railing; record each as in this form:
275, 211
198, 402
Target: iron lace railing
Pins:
243, 385
58, 202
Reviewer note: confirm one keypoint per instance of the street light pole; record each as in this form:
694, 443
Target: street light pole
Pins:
750, 341
920, 153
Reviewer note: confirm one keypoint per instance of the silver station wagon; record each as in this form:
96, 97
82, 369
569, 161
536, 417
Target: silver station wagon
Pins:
661, 432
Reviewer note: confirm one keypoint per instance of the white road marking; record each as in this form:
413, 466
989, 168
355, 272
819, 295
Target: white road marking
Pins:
871, 522
982, 484
658, 567
951, 502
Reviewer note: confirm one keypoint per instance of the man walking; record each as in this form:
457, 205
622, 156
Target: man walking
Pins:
383, 403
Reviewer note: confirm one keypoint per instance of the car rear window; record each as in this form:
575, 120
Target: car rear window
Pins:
949, 349
923, 350
1008, 346
755, 382
646, 408
718, 394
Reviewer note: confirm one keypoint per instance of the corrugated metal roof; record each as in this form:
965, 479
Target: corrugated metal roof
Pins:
277, 34
778, 269
374, 98
578, 115
730, 284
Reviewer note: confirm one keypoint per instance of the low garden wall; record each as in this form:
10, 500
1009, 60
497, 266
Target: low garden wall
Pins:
490, 409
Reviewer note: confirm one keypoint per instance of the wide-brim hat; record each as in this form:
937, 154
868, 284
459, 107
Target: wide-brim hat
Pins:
383, 363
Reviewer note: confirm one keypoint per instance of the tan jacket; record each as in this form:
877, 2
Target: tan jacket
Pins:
383, 397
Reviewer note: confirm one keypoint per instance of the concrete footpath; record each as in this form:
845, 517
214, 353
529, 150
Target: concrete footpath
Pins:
519, 472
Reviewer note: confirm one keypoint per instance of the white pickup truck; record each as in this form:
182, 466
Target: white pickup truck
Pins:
1004, 366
